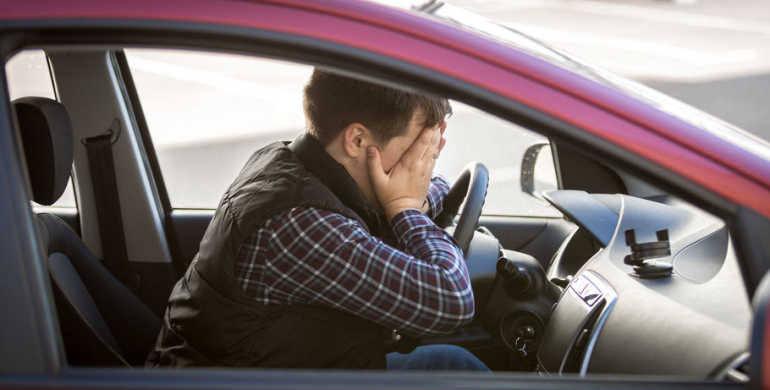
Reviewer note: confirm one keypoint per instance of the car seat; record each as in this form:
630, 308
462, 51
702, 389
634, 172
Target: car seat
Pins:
102, 323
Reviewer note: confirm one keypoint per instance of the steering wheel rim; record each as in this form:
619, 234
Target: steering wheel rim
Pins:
470, 186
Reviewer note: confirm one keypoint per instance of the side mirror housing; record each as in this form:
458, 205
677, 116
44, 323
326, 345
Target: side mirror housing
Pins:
538, 171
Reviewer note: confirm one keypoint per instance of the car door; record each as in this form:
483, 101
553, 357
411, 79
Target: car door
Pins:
35, 326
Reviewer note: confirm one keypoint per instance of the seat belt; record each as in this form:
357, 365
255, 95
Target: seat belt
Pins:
107, 202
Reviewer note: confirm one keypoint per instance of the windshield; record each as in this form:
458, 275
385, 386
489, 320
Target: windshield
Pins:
473, 22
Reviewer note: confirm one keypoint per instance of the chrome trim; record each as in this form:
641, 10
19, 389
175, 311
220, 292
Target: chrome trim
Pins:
610, 297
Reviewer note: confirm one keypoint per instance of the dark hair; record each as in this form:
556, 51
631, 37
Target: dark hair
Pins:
333, 102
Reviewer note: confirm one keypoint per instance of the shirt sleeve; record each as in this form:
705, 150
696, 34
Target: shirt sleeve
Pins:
319, 257
439, 187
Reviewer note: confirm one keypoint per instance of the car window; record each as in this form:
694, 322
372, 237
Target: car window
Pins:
227, 106
207, 113
30, 75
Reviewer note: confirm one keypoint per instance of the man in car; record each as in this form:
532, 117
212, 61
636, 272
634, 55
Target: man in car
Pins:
321, 248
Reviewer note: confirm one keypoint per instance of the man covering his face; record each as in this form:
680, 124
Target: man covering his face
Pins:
324, 246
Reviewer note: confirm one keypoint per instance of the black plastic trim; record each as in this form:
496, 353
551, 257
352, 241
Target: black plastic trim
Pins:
586, 211
759, 337
223, 379
749, 233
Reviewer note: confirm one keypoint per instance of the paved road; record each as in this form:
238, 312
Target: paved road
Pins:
711, 54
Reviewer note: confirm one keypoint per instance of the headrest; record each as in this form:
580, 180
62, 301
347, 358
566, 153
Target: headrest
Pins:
46, 132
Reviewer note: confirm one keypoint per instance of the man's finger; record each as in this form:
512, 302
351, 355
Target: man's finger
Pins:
442, 141
421, 148
374, 163
435, 143
432, 150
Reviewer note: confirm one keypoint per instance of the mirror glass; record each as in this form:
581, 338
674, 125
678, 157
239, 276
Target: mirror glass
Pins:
538, 173
544, 173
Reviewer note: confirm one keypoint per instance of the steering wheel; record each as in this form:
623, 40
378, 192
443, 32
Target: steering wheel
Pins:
470, 186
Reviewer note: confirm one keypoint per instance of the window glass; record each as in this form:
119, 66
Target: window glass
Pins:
29, 75
207, 113
473, 135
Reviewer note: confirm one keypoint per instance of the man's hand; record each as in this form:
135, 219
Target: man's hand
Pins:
406, 185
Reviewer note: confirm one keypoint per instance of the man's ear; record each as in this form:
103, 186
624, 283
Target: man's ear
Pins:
355, 139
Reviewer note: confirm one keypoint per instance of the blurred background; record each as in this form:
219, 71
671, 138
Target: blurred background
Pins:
711, 54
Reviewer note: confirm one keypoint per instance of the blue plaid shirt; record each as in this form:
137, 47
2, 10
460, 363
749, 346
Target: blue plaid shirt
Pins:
313, 256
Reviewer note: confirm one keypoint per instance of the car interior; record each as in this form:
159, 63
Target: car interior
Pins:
619, 276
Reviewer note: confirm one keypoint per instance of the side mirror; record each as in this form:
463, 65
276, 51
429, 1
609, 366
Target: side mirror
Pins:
759, 362
538, 172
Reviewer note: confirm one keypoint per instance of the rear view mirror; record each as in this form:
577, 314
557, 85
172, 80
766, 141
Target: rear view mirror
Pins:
538, 173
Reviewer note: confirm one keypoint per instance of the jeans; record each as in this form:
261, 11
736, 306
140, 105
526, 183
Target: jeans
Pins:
436, 357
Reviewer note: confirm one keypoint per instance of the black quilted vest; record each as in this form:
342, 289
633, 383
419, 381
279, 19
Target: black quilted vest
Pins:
211, 321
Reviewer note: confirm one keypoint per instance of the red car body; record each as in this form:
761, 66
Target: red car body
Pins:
621, 124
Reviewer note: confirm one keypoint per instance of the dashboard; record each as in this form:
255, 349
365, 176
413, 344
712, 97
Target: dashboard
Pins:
662, 295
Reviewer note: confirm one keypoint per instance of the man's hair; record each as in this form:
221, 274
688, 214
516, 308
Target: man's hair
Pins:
333, 102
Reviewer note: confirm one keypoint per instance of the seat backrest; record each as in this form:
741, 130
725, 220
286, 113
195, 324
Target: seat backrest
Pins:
101, 321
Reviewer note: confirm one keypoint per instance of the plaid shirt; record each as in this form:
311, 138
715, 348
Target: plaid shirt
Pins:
317, 257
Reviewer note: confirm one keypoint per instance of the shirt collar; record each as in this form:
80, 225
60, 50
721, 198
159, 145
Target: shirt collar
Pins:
332, 174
